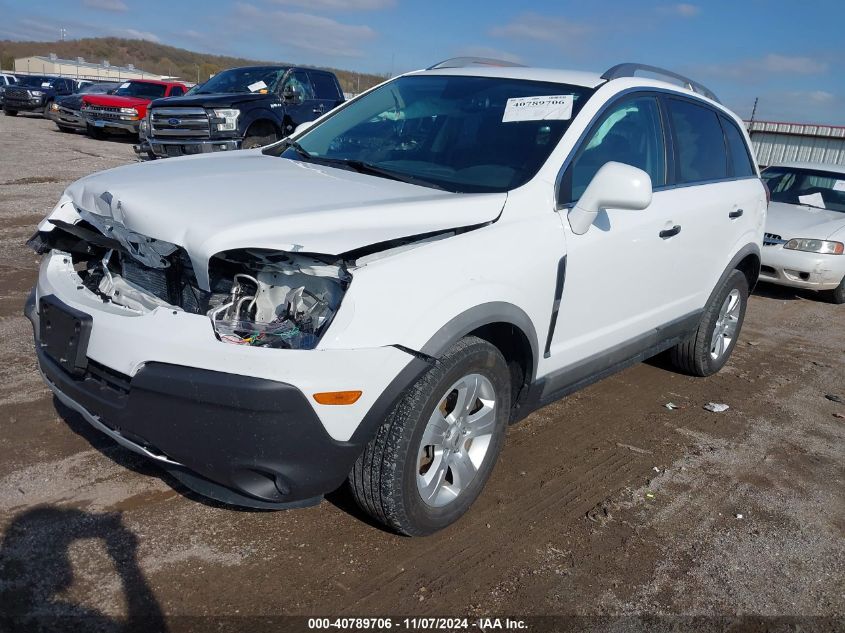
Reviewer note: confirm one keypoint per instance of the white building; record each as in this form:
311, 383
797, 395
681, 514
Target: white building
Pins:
776, 142
78, 68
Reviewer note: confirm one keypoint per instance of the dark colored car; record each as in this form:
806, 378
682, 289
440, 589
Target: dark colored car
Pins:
36, 93
239, 108
6, 80
67, 111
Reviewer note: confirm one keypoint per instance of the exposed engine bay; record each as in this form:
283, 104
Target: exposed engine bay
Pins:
256, 297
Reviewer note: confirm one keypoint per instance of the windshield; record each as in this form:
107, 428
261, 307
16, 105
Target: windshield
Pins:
462, 134
35, 81
812, 187
141, 89
260, 79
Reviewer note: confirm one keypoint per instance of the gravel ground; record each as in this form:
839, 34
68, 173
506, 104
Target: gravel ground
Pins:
606, 509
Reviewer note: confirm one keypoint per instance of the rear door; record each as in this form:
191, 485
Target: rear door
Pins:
713, 191
327, 94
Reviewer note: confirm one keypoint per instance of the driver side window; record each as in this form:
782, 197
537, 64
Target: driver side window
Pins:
630, 132
299, 81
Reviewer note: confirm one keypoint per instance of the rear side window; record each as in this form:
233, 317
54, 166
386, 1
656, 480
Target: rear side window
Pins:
176, 91
325, 87
700, 144
740, 159
629, 132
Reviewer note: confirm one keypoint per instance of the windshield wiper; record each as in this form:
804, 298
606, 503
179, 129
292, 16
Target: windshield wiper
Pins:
298, 149
364, 167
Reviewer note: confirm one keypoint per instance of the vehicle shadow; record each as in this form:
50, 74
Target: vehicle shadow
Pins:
786, 293
36, 572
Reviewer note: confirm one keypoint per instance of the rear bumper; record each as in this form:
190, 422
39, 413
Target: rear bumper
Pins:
799, 269
188, 147
237, 439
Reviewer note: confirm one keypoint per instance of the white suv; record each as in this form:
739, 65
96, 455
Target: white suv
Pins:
377, 298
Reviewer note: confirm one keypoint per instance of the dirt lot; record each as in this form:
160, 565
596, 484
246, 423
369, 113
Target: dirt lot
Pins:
605, 504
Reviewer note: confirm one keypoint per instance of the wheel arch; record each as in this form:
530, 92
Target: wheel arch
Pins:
503, 325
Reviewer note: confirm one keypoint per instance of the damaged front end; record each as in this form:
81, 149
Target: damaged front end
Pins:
255, 297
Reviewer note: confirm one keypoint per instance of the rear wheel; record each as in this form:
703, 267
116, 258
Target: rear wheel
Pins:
431, 458
710, 347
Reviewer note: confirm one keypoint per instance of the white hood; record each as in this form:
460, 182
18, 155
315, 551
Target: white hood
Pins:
798, 220
245, 199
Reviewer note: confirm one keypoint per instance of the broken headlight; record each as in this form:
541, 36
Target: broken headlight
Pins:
273, 299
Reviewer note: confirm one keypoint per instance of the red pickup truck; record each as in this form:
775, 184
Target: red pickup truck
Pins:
124, 110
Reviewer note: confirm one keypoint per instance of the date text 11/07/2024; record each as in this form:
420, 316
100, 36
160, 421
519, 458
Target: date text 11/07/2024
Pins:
421, 623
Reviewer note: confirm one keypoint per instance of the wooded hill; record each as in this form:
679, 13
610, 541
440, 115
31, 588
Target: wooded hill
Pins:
156, 58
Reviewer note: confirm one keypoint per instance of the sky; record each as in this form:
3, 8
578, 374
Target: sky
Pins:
790, 55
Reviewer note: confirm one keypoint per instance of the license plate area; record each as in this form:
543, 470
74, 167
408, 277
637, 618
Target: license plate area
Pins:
99, 124
63, 334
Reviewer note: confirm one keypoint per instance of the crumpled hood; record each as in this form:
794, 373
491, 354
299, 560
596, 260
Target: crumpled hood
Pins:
797, 220
245, 199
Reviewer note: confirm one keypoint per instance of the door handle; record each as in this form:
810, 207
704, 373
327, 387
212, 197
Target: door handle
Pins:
666, 233
735, 214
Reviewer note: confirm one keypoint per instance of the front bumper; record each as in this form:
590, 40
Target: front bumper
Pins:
64, 117
233, 423
112, 124
799, 269
189, 147
23, 104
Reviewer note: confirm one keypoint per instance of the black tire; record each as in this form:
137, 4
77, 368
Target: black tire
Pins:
65, 129
693, 356
384, 478
10, 112
260, 134
95, 132
837, 295
46, 111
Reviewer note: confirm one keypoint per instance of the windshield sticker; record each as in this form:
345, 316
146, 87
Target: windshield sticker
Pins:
258, 85
126, 85
814, 200
839, 185
45, 84
553, 107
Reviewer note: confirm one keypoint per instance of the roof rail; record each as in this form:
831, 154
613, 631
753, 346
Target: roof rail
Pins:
463, 62
630, 70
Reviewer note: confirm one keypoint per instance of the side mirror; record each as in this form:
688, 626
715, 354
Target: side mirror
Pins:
292, 94
615, 186
302, 127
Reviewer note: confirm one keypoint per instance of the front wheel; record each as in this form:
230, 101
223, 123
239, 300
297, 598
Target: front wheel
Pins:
837, 295
8, 112
432, 456
709, 348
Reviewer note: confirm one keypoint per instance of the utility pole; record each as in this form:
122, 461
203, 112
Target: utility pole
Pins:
754, 109
198, 73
